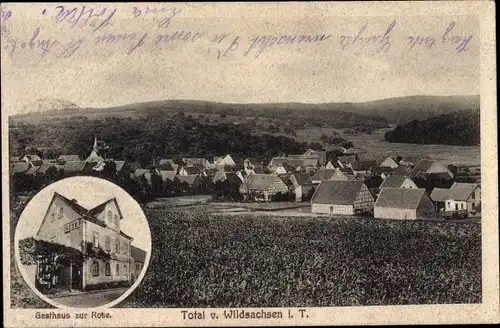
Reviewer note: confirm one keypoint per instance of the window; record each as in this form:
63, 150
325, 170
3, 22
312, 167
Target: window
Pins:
137, 266
108, 269
117, 246
456, 207
331, 208
117, 269
473, 195
60, 213
95, 268
96, 239
462, 206
107, 246
110, 217
116, 219
124, 248
125, 270
52, 217
449, 204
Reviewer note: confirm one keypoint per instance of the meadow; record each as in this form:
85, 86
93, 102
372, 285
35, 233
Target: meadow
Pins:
206, 260
375, 145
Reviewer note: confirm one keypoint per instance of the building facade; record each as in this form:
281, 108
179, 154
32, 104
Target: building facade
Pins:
96, 234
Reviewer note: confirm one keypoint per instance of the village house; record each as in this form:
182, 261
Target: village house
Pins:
300, 186
223, 162
263, 187
362, 167
138, 259
407, 204
398, 180
386, 161
172, 165
341, 198
190, 170
430, 166
320, 155
460, 198
191, 183
96, 233
346, 161
327, 174
282, 165
167, 175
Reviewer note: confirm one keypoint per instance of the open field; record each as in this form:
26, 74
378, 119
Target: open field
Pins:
376, 145
205, 260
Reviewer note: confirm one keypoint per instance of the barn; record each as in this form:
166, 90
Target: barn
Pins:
401, 203
341, 197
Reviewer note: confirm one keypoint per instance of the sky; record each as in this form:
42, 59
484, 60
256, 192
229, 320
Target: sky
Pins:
105, 75
89, 192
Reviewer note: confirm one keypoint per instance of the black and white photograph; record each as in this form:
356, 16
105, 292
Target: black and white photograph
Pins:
262, 164
85, 251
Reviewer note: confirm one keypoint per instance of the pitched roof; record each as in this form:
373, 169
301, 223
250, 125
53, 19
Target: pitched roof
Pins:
189, 179
300, 178
422, 166
293, 162
260, 181
439, 194
395, 180
119, 165
337, 192
20, 167
167, 175
461, 191
137, 254
400, 198
32, 170
76, 166
382, 158
70, 158
99, 208
44, 167
310, 162
322, 174
233, 179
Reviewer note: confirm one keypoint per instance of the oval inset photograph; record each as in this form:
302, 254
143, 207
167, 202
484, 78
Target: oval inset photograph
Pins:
83, 242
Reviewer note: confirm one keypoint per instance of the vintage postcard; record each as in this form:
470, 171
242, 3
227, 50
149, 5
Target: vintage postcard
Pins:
249, 164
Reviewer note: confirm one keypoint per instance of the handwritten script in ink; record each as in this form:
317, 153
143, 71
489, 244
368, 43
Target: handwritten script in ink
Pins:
158, 28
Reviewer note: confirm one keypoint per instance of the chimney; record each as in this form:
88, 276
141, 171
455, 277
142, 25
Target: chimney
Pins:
74, 201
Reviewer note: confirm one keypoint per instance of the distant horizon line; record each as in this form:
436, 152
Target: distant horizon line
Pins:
254, 103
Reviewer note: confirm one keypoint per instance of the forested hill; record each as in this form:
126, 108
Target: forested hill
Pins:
402, 110
336, 115
459, 128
